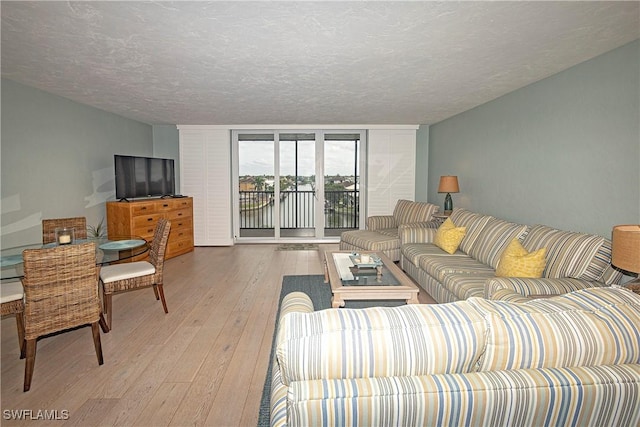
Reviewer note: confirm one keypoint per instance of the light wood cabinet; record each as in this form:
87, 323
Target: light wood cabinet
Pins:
139, 218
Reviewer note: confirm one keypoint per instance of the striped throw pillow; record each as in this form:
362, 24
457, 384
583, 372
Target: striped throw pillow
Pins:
493, 239
473, 222
569, 254
407, 212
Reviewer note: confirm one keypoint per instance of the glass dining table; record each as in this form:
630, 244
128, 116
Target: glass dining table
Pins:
108, 250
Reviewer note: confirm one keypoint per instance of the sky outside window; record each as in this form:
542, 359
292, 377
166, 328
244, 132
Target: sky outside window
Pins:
256, 158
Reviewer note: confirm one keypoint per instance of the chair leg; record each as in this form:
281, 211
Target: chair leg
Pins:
29, 363
95, 329
155, 291
107, 308
103, 324
161, 292
20, 326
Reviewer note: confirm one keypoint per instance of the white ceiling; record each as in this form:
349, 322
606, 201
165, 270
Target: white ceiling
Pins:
338, 62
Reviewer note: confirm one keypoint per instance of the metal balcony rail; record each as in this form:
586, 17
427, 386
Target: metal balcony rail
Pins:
341, 209
297, 209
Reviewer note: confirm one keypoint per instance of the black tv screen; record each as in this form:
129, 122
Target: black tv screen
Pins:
143, 177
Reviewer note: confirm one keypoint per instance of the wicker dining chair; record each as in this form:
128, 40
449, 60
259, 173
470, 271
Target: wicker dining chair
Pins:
12, 299
133, 275
49, 227
61, 292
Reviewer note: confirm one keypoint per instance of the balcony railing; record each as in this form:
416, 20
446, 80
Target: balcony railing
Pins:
297, 209
341, 209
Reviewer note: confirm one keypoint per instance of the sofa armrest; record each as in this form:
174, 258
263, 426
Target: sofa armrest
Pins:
297, 302
294, 302
380, 222
494, 288
422, 232
434, 223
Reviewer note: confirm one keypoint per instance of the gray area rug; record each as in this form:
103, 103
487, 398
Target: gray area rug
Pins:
320, 294
297, 247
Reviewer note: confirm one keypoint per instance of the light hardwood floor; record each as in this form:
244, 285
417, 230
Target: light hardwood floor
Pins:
204, 363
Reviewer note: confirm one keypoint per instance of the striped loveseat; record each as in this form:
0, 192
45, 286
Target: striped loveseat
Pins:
571, 360
573, 260
381, 233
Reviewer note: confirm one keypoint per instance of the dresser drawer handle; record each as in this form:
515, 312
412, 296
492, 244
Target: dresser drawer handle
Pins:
165, 205
149, 219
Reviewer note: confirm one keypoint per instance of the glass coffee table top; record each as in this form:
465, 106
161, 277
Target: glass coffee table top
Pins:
350, 280
354, 273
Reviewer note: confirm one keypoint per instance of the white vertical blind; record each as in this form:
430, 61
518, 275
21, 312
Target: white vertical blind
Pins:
205, 174
391, 169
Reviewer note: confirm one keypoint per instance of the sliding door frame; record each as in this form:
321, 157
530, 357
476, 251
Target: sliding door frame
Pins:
319, 182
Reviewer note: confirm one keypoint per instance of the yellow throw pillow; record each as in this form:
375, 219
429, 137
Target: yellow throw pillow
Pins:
448, 236
516, 261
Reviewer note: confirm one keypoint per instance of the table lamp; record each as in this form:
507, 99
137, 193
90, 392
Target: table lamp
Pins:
625, 253
448, 184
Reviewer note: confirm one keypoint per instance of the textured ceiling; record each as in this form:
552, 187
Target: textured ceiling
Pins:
300, 62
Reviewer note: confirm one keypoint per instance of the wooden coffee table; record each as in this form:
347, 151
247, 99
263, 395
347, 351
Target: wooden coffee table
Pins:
391, 284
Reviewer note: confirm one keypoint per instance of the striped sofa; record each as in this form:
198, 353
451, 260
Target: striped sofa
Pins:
573, 260
381, 233
571, 360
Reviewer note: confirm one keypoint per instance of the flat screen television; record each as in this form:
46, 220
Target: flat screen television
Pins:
138, 177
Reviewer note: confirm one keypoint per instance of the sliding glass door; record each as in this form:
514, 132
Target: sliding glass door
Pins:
297, 177
342, 178
254, 209
296, 185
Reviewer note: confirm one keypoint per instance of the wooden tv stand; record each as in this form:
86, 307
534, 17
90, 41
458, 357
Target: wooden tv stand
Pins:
139, 218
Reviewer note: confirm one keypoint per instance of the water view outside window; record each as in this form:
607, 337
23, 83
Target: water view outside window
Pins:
296, 193
341, 185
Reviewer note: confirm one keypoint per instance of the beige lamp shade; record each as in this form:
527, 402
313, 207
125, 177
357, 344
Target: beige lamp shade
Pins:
448, 184
626, 247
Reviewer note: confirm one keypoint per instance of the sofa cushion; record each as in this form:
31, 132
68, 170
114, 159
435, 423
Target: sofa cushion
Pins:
415, 251
448, 236
369, 240
516, 261
590, 327
611, 276
569, 254
407, 211
493, 239
600, 268
473, 222
380, 342
439, 267
467, 285
391, 232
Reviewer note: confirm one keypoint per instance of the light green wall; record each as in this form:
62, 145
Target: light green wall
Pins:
57, 159
165, 145
422, 162
563, 151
